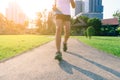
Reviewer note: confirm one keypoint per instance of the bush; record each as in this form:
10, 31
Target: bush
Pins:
90, 31
85, 33
96, 24
118, 30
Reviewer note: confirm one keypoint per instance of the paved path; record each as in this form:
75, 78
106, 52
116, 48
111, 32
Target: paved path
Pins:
81, 62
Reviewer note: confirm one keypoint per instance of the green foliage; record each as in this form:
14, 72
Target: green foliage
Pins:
96, 23
90, 31
50, 22
10, 27
39, 22
76, 30
80, 28
85, 20
117, 15
2, 23
107, 44
45, 26
109, 30
85, 33
72, 21
11, 45
118, 29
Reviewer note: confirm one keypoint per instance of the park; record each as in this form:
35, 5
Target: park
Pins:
27, 50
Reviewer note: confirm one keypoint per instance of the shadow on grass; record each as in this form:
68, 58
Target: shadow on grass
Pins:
116, 73
67, 67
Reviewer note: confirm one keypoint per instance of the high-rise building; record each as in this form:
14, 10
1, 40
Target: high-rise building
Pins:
14, 13
79, 6
86, 6
92, 8
95, 6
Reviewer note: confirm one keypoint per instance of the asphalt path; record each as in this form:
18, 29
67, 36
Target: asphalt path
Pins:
80, 62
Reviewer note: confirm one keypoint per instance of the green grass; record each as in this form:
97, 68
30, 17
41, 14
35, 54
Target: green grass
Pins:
11, 45
107, 44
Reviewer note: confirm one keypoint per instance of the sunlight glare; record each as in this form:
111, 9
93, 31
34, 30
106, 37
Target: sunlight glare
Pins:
30, 7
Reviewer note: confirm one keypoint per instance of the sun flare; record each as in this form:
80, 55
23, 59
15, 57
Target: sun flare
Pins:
30, 7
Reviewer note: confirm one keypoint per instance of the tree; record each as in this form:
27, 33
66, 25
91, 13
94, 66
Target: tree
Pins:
50, 23
118, 30
96, 23
85, 20
39, 22
79, 25
90, 32
2, 23
117, 15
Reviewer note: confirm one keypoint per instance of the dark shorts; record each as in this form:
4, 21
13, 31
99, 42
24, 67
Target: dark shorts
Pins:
63, 17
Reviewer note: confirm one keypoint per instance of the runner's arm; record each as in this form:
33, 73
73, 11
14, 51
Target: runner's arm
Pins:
72, 3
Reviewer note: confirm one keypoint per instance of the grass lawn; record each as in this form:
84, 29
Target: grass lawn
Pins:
11, 45
107, 44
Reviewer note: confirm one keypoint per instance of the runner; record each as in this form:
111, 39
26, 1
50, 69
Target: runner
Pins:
63, 16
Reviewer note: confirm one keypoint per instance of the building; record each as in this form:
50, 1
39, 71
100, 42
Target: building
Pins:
109, 27
111, 21
79, 6
94, 15
90, 8
15, 13
95, 6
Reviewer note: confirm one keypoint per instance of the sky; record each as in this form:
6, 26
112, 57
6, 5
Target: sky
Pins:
32, 6
110, 7
29, 7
